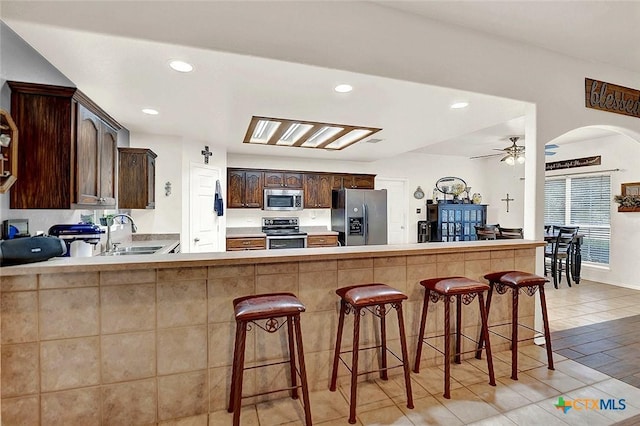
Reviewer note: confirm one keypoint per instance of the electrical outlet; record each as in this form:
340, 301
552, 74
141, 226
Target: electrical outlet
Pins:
418, 211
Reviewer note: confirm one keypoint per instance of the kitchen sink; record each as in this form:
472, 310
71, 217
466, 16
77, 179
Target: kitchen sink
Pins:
128, 251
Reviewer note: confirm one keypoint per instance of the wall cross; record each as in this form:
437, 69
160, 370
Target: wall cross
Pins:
507, 200
206, 154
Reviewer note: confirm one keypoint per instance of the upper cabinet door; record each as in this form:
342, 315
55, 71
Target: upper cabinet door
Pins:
235, 190
277, 179
87, 157
253, 190
244, 188
108, 169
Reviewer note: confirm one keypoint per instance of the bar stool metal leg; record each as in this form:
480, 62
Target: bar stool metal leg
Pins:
447, 348
423, 322
383, 338
405, 357
354, 366
547, 334
239, 372
458, 329
336, 356
303, 372
514, 333
485, 333
482, 337
292, 359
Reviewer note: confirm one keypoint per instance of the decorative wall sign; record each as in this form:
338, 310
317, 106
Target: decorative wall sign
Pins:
576, 162
611, 97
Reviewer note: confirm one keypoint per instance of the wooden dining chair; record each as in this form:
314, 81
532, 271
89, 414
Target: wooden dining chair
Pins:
487, 232
559, 251
510, 233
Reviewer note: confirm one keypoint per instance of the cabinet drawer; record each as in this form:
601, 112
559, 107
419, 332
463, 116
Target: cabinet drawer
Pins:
246, 244
322, 240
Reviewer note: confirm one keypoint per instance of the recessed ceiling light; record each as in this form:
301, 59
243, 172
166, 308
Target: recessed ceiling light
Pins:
459, 105
343, 88
181, 66
150, 111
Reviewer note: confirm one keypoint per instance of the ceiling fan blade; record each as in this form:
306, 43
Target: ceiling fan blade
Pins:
550, 153
551, 146
484, 156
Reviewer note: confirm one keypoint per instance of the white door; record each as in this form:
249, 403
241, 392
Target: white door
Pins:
396, 209
204, 225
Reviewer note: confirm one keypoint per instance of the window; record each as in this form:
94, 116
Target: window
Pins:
584, 202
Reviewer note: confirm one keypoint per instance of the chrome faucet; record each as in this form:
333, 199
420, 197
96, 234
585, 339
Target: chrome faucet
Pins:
134, 229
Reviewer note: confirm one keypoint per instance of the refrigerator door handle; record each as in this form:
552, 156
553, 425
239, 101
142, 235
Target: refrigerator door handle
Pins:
365, 224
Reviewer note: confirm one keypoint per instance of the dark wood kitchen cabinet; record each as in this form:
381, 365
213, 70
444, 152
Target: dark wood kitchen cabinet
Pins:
358, 181
276, 179
244, 188
136, 178
67, 149
317, 191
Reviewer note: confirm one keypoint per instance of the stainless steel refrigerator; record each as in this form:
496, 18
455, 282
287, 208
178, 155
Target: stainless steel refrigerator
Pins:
359, 216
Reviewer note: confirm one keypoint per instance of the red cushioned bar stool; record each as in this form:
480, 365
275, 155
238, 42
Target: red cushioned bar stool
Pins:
374, 298
464, 290
519, 281
269, 312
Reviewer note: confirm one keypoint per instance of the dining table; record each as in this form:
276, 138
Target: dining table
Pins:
575, 253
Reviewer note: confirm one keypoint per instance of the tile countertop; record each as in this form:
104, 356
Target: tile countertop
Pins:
256, 232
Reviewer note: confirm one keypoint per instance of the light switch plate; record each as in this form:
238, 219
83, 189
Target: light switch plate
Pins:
418, 211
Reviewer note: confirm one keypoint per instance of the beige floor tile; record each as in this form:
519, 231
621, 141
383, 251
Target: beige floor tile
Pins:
499, 420
432, 380
524, 362
280, 411
248, 417
339, 422
539, 353
395, 388
327, 406
530, 388
384, 416
467, 406
466, 374
201, 420
500, 368
502, 398
370, 396
580, 372
556, 379
429, 411
532, 415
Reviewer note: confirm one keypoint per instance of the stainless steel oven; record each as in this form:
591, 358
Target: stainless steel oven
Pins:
283, 233
286, 241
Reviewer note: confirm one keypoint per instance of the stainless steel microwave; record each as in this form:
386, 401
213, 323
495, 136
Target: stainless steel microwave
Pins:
283, 199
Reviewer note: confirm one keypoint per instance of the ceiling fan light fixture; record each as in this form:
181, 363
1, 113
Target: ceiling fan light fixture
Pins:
510, 160
520, 159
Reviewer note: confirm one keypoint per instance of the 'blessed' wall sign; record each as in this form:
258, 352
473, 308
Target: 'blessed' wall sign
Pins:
610, 97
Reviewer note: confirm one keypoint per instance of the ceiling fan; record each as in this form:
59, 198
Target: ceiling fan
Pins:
515, 153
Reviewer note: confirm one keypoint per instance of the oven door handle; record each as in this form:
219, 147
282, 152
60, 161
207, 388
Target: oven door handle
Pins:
286, 237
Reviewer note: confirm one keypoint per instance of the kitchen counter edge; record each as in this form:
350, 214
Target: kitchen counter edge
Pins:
188, 260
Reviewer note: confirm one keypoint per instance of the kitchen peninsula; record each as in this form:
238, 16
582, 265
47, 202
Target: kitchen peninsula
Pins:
149, 338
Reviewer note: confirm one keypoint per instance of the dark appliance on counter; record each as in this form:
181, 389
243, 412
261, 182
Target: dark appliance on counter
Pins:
283, 233
30, 250
424, 231
83, 233
359, 216
283, 199
15, 228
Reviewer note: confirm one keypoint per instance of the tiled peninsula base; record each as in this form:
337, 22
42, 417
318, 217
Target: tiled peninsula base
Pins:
147, 344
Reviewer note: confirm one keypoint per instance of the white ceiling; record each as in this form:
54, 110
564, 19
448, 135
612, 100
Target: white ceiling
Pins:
124, 74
